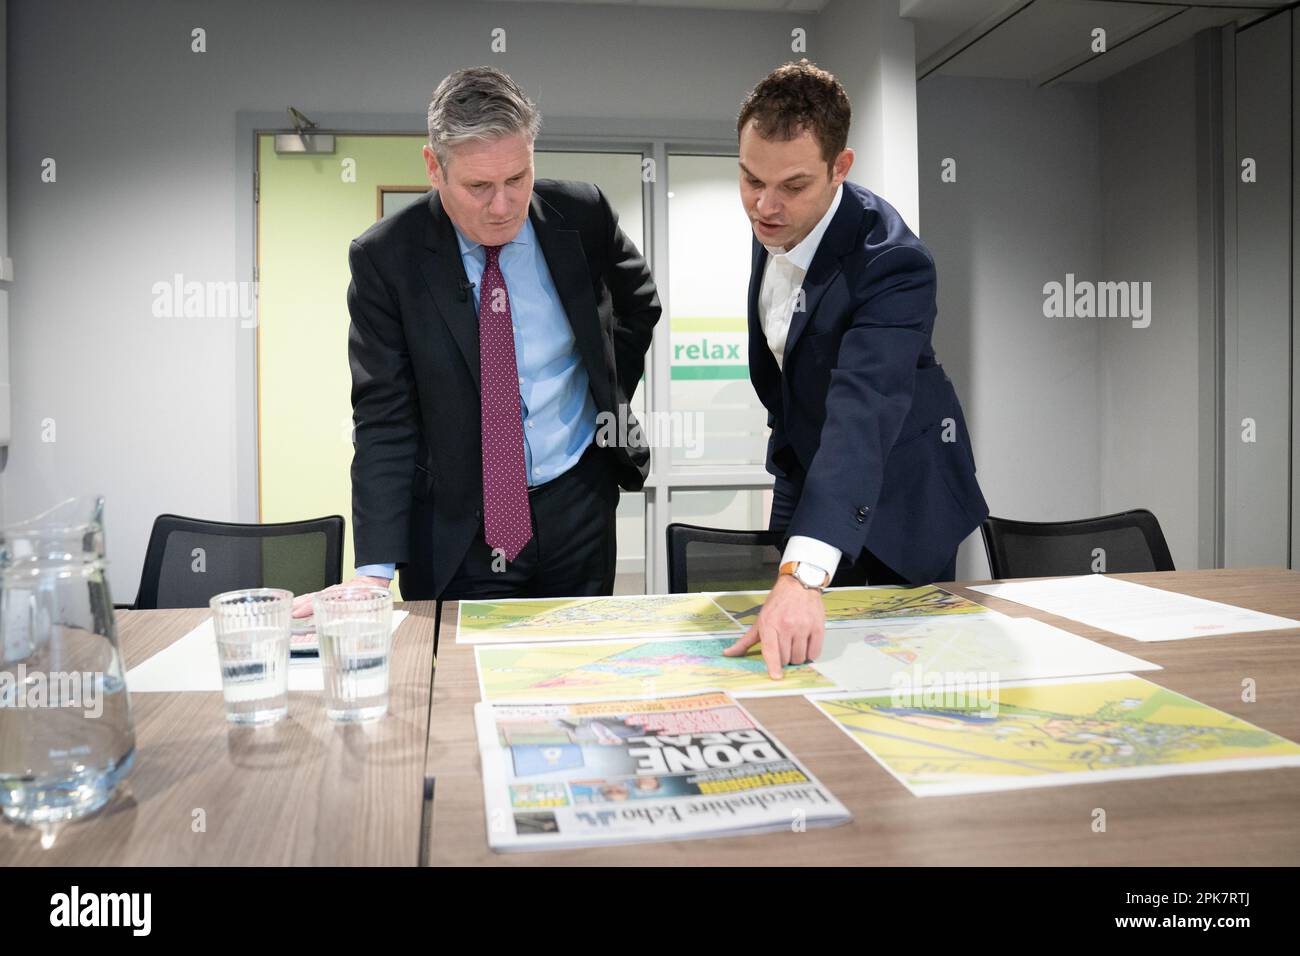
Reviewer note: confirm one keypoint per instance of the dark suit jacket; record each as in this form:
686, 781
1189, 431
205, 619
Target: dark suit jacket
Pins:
417, 483
868, 437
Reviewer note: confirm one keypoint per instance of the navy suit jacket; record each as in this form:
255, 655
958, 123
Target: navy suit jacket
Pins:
869, 446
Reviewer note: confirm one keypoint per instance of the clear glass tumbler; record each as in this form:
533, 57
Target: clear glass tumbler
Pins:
355, 629
252, 627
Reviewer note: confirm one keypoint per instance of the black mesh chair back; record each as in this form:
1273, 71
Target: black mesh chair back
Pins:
1127, 542
188, 560
713, 559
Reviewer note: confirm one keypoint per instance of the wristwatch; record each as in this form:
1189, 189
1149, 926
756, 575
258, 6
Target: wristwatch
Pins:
809, 575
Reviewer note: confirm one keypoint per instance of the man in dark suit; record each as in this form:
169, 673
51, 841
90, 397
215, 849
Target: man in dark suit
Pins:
874, 474
495, 325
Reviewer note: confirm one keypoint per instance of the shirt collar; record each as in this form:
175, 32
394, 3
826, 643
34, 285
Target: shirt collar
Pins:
524, 236
802, 254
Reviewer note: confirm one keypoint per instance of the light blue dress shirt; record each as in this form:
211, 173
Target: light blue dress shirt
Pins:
555, 403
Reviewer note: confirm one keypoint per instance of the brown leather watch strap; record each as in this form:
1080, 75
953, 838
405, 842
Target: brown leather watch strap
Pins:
791, 566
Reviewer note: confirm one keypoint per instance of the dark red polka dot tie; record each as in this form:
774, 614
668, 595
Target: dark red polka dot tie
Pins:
507, 522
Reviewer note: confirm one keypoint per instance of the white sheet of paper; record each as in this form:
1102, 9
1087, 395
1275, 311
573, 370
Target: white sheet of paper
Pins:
1135, 610
962, 647
191, 663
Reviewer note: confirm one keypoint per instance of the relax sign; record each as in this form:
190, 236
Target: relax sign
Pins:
699, 354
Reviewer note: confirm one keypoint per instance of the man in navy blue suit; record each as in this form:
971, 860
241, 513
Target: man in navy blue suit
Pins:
874, 475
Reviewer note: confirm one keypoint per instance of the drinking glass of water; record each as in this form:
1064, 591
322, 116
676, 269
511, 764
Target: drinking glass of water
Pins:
355, 628
252, 628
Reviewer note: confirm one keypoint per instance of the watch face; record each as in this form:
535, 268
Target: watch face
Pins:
809, 575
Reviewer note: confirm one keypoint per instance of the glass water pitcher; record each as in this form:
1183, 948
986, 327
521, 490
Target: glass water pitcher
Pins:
66, 736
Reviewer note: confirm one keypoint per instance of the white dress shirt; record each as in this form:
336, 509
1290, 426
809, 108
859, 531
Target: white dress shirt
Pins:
782, 279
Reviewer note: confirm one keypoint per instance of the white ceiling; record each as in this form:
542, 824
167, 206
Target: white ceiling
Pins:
1038, 41
1046, 41
747, 6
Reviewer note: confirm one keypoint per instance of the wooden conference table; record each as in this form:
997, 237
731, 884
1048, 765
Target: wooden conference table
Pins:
408, 790
1243, 818
303, 791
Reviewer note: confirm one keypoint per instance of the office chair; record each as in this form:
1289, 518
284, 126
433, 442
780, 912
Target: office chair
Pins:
714, 559
1131, 541
189, 560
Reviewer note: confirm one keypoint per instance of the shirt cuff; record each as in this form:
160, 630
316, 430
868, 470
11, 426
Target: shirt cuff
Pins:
817, 553
378, 571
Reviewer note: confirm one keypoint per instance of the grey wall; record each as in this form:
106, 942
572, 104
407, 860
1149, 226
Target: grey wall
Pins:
1073, 416
143, 130
1258, 360
1150, 379
1023, 211
4, 251
872, 51
1295, 291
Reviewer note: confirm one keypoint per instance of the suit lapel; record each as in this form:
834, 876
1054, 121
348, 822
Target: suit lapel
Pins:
821, 273
567, 263
836, 242
444, 274
757, 258
763, 370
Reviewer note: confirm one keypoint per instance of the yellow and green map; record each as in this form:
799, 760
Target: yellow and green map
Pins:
855, 605
519, 620
613, 670
1046, 733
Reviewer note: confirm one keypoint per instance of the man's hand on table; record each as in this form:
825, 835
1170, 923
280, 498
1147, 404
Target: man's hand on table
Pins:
302, 602
790, 627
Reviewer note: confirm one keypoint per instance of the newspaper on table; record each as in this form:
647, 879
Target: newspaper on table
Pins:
562, 775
